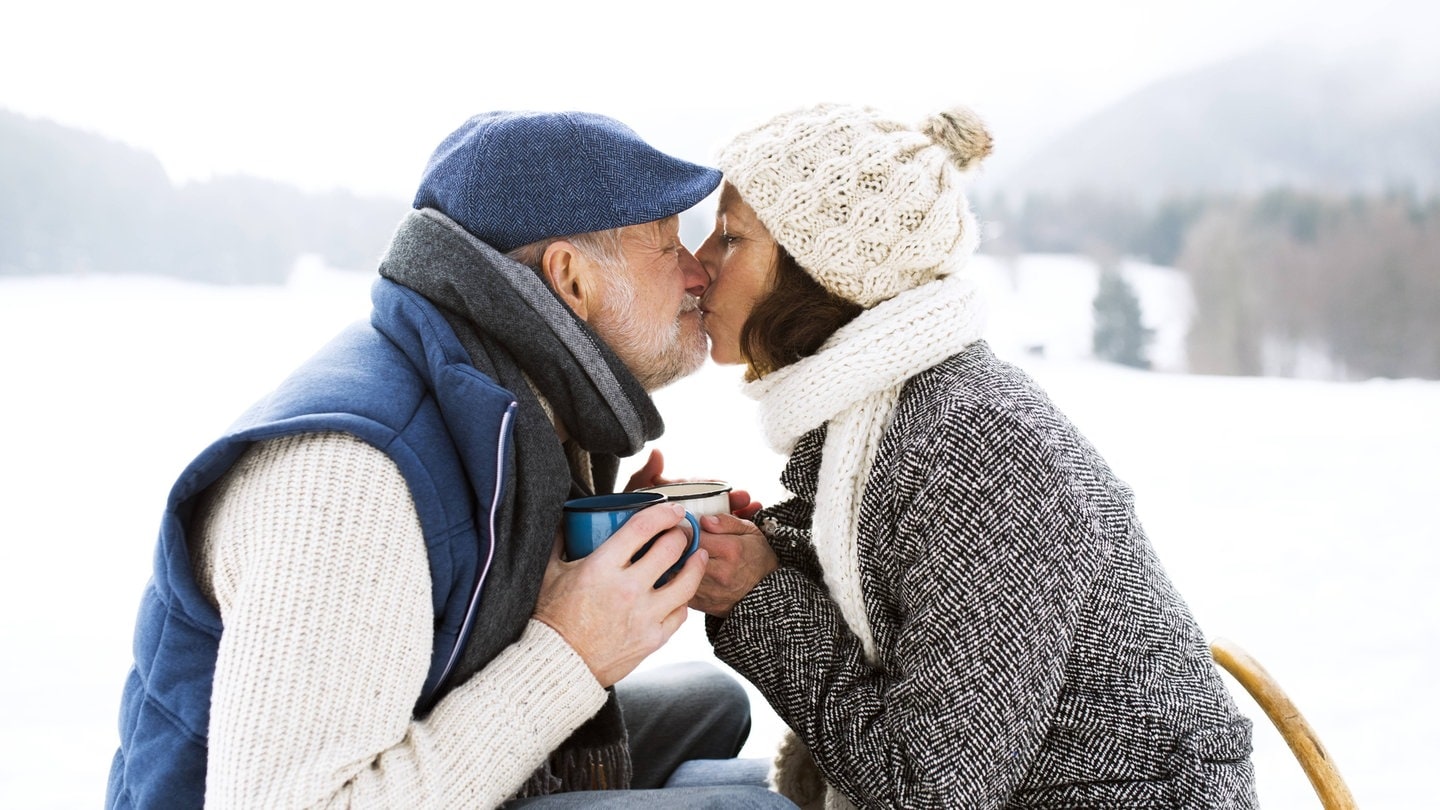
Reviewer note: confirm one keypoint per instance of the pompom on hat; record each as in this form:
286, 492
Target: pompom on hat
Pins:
868, 206
512, 178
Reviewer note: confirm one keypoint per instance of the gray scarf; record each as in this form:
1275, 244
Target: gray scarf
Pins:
514, 328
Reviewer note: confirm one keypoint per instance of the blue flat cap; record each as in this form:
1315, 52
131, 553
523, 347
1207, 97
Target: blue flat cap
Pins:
512, 178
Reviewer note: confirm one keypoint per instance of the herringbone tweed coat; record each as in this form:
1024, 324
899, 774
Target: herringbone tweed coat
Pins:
1033, 652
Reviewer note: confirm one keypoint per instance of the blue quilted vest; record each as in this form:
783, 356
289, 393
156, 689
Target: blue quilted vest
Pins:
402, 383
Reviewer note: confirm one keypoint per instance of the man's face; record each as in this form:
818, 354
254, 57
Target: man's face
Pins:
648, 311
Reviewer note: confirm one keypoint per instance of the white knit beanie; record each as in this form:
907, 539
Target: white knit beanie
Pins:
868, 206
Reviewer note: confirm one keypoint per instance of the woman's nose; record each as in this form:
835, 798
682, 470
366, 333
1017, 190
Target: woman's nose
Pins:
697, 280
708, 257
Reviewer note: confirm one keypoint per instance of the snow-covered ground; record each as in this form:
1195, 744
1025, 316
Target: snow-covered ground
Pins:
1297, 517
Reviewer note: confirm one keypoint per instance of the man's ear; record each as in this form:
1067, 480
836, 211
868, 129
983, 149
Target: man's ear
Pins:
570, 274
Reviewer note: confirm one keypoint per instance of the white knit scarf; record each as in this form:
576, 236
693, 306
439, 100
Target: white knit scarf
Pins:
852, 383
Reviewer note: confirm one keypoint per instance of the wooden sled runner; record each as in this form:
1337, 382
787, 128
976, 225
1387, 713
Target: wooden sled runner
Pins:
1318, 766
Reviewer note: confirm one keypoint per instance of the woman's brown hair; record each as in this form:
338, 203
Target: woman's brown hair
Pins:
792, 321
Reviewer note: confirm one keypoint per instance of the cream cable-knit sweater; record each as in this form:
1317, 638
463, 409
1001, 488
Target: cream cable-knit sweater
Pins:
325, 599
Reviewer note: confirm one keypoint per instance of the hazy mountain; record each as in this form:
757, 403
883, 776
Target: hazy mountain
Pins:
1281, 117
72, 202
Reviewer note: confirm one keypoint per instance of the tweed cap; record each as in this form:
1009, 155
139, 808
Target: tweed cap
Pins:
868, 206
512, 178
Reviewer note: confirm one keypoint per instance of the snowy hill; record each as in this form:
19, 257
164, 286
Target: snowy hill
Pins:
1363, 121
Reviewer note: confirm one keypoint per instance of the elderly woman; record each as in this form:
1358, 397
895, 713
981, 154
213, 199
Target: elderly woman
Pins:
958, 605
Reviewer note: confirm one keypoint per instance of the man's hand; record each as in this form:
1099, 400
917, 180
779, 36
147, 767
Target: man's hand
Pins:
608, 608
649, 474
740, 557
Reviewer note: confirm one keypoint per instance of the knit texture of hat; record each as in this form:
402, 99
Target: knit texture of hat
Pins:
512, 178
868, 206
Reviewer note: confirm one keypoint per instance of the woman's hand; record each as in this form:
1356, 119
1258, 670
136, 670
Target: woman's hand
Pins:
742, 505
740, 557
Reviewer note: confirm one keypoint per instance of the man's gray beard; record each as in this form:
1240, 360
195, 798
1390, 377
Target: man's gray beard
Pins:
656, 360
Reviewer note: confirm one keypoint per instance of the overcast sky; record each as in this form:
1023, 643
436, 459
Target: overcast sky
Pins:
355, 95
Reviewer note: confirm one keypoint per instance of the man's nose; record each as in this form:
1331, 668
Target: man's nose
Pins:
697, 281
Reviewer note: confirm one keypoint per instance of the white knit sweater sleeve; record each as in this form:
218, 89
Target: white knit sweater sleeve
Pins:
312, 550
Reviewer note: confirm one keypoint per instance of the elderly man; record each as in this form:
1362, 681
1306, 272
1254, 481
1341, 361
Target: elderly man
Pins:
358, 598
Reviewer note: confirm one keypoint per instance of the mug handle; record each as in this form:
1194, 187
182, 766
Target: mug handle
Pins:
694, 537
693, 547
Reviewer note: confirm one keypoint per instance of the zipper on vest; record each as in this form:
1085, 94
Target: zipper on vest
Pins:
501, 447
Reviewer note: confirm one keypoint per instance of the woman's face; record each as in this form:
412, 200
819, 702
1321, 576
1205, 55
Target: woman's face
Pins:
740, 259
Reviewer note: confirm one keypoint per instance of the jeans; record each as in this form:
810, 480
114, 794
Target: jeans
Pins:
686, 722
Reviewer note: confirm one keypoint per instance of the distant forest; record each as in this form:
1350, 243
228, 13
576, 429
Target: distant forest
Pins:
1285, 283
1298, 190
75, 203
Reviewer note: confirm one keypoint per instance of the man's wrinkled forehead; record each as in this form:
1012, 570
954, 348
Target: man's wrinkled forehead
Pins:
659, 233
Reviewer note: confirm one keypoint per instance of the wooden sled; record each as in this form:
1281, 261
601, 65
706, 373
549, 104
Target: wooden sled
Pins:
1318, 766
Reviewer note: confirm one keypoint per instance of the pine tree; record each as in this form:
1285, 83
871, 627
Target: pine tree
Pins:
1120, 336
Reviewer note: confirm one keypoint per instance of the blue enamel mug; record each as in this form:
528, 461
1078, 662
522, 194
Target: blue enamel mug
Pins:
590, 522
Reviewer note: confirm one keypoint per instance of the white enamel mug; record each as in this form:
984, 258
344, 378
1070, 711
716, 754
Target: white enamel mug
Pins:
698, 497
